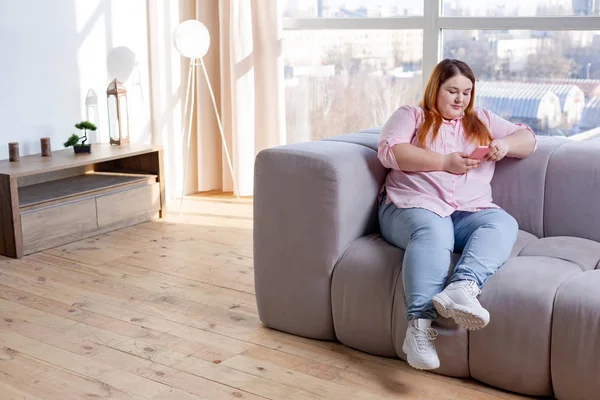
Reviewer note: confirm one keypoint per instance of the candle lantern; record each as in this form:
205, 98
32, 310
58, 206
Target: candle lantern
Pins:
118, 116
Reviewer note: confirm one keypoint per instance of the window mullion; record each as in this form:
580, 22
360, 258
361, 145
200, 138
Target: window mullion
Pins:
431, 37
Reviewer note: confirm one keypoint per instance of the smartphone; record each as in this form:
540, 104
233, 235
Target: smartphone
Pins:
480, 152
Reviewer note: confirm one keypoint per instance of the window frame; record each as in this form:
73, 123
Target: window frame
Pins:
432, 23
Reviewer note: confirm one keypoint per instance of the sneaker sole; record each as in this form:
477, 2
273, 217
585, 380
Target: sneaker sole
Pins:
462, 316
416, 365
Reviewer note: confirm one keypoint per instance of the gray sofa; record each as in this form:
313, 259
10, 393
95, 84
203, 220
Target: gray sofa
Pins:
323, 271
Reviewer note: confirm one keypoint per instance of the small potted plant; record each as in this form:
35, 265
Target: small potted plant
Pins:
74, 139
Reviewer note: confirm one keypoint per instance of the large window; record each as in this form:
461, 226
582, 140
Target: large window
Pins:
340, 81
350, 63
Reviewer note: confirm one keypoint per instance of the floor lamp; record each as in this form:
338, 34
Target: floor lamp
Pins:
192, 40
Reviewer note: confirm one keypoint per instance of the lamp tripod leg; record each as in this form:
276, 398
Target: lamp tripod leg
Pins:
191, 86
224, 142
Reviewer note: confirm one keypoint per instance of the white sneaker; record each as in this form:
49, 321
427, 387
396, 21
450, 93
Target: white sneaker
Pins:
418, 345
459, 302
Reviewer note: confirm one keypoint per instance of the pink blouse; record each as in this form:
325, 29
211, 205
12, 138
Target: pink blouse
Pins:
439, 191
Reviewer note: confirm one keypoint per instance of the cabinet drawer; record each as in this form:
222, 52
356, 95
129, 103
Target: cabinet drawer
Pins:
128, 203
46, 224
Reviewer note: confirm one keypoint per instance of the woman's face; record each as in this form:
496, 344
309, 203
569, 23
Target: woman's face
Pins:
454, 97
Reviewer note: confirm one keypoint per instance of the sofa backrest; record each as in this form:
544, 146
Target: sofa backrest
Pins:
519, 185
554, 192
572, 205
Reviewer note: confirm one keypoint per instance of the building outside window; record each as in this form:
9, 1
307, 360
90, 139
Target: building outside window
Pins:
350, 63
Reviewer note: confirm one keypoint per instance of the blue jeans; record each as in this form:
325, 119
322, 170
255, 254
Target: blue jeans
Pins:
485, 238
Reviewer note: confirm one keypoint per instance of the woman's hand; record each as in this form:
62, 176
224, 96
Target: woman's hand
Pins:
498, 150
459, 163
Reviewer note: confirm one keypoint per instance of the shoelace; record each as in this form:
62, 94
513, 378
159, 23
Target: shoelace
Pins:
473, 290
424, 338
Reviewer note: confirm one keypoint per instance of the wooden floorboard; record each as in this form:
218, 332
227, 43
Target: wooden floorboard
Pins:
166, 311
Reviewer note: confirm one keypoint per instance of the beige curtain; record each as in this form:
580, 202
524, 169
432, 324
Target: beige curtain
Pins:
245, 66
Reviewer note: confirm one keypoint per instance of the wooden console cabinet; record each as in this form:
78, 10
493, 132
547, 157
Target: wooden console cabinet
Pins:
50, 201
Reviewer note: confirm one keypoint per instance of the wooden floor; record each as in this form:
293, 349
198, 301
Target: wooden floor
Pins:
166, 310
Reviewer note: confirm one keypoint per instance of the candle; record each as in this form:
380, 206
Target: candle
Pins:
13, 151
46, 149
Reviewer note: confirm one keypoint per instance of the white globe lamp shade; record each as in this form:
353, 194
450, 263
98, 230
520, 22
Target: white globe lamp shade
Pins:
192, 39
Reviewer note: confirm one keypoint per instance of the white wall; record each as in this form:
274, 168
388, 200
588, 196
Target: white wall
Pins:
53, 52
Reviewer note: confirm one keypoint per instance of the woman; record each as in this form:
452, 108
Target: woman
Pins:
438, 200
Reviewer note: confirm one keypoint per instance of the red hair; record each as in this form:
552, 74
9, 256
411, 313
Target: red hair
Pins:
475, 130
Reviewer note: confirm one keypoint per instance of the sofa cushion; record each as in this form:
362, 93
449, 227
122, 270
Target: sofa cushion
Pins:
572, 191
369, 310
513, 351
369, 306
523, 239
575, 338
452, 343
518, 186
362, 292
583, 252
367, 139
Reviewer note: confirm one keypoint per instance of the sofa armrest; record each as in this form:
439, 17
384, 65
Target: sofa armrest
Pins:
311, 200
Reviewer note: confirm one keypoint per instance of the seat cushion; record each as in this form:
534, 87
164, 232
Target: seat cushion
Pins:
362, 294
513, 351
583, 252
452, 342
575, 338
523, 240
369, 306
540, 288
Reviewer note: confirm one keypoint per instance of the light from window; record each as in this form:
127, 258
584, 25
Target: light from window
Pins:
343, 81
